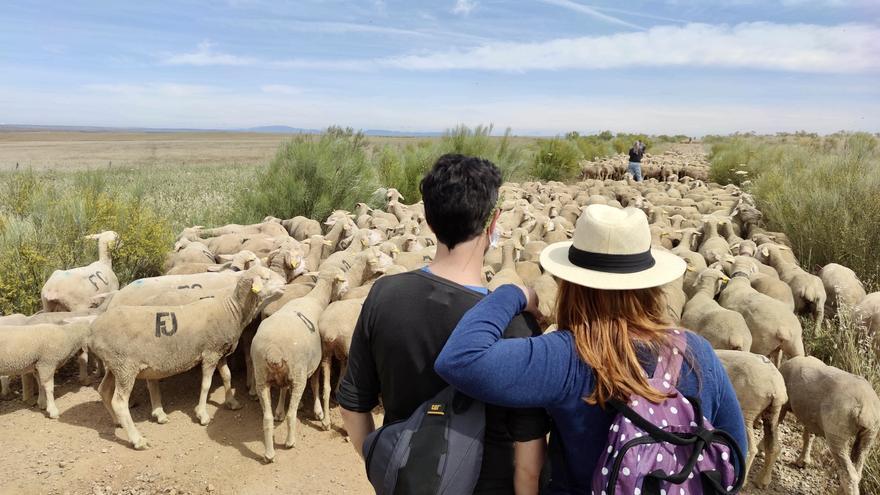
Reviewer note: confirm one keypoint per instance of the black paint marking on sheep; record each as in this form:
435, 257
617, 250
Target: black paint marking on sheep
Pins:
162, 320
99, 276
193, 286
308, 322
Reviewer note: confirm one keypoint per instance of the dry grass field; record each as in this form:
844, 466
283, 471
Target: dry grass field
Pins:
44, 150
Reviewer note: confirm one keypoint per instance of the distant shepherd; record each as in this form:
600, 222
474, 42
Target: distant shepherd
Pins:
635, 160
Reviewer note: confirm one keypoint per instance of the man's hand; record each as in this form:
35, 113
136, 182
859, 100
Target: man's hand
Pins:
531, 302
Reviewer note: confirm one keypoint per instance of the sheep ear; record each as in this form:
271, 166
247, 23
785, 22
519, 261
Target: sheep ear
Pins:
225, 257
328, 243
256, 286
219, 268
734, 245
765, 251
91, 236
785, 247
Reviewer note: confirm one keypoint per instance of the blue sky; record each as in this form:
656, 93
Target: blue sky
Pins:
538, 66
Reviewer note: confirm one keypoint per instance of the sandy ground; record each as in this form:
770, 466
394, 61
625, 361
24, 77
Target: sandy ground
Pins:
82, 453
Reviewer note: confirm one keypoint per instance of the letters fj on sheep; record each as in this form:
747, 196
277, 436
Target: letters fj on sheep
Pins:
163, 319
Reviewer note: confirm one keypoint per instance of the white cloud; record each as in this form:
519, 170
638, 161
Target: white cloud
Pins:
592, 12
760, 45
844, 48
205, 55
464, 7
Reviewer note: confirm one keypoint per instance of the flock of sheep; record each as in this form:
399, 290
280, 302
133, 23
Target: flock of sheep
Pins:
290, 292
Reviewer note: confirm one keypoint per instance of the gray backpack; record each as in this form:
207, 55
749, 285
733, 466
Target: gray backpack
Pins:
437, 450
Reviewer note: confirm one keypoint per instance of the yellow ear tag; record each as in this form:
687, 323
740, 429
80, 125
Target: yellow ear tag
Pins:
294, 263
257, 286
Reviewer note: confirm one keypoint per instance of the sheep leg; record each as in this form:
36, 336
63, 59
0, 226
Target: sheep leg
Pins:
4, 387
83, 360
819, 314
862, 449
279, 409
326, 368
316, 393
41, 392
46, 376
804, 460
296, 392
752, 444
105, 389
119, 402
27, 389
158, 412
771, 447
226, 376
849, 477
208, 368
268, 420
99, 365
249, 369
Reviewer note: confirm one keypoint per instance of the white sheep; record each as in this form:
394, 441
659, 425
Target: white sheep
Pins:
839, 406
57, 318
807, 289
155, 342
286, 351
41, 349
239, 261
760, 390
723, 328
842, 286
172, 289
507, 274
867, 313
270, 226
187, 251
73, 289
336, 326
775, 330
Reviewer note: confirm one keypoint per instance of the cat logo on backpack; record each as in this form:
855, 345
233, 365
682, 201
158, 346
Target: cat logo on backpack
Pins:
436, 410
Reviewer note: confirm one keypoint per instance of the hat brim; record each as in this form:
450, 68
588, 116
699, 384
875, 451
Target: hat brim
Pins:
667, 268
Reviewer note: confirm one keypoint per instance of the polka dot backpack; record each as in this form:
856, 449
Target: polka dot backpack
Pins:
668, 448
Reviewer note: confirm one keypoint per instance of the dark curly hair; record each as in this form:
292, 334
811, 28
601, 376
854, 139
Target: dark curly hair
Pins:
460, 193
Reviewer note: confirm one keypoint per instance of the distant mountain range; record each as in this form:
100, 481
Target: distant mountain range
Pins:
267, 129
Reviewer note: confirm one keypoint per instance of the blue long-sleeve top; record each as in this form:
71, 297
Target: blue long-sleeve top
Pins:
546, 371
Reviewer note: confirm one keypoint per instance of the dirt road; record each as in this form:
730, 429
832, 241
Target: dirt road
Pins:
82, 453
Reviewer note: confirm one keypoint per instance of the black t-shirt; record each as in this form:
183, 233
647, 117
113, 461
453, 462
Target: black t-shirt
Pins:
636, 154
403, 326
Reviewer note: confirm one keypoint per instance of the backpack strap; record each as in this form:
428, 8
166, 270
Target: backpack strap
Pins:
669, 361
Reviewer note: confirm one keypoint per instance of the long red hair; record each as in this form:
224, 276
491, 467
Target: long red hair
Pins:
608, 325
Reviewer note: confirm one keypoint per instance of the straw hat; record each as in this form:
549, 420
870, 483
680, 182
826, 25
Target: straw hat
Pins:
611, 250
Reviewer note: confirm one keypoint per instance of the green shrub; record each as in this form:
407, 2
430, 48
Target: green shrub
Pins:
512, 160
821, 192
556, 159
404, 168
48, 234
310, 176
594, 147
